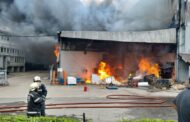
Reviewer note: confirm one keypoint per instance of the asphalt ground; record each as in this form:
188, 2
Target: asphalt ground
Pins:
16, 93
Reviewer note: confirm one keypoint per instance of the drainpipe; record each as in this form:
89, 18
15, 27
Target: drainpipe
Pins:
178, 40
59, 37
60, 46
59, 57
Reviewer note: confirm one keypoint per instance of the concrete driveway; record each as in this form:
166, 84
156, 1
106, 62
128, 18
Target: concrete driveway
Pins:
19, 85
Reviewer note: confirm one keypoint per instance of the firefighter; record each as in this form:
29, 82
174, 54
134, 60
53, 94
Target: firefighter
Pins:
182, 105
130, 80
34, 101
42, 92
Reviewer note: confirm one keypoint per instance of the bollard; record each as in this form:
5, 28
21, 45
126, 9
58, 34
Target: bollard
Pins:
84, 118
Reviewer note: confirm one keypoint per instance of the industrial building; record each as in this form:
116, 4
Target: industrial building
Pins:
82, 51
12, 57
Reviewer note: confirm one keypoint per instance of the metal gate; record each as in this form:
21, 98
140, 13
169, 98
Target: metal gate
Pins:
3, 78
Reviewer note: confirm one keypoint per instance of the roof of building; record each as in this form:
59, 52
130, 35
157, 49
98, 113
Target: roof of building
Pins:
155, 36
185, 57
6, 41
2, 32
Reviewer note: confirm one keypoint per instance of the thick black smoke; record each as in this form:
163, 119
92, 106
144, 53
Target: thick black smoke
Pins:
29, 17
48, 16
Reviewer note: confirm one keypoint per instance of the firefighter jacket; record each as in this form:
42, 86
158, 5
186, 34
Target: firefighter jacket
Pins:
34, 102
42, 90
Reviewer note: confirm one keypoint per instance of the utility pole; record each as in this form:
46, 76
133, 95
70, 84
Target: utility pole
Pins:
178, 38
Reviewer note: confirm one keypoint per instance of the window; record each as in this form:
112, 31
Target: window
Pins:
4, 49
12, 59
15, 59
1, 49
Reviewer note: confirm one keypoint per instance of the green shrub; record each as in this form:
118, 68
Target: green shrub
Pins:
146, 120
23, 118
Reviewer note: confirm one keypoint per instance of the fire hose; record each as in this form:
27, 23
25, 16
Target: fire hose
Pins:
156, 102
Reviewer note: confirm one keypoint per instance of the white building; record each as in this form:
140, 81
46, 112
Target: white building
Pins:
12, 57
184, 42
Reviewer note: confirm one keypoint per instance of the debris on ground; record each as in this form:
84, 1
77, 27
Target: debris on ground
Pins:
178, 86
159, 83
112, 87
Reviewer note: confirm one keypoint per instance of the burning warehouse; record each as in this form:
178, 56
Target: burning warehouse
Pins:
95, 56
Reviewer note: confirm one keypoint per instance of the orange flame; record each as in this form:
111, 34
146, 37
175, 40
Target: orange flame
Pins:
104, 70
146, 66
56, 51
88, 81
